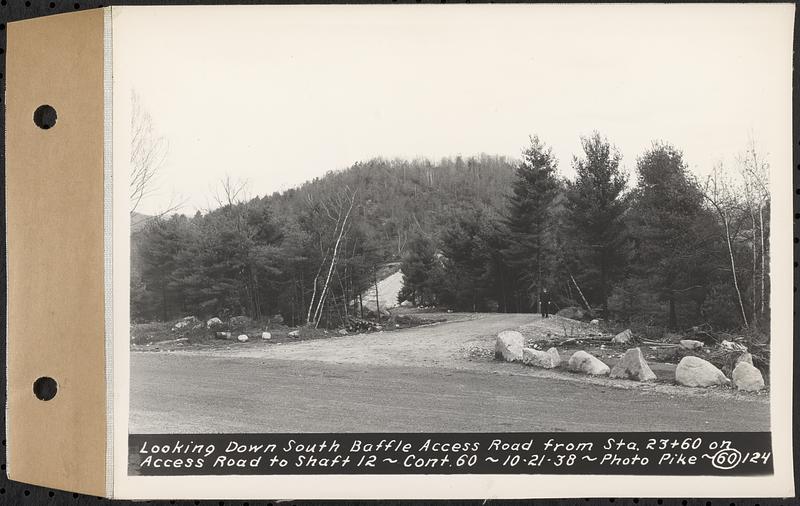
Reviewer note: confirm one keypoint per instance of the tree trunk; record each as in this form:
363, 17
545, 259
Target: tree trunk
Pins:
733, 268
318, 312
754, 314
763, 256
377, 299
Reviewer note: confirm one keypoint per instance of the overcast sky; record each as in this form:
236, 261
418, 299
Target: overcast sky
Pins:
277, 95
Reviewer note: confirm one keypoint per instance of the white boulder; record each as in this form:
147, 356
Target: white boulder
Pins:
633, 366
696, 372
342, 332
508, 346
547, 359
691, 344
406, 303
585, 363
595, 322
266, 335
242, 338
214, 323
623, 337
294, 333
747, 377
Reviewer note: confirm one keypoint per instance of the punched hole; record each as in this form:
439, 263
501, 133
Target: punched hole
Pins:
45, 388
45, 117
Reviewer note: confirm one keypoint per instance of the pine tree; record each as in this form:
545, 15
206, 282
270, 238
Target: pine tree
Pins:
595, 208
673, 233
529, 254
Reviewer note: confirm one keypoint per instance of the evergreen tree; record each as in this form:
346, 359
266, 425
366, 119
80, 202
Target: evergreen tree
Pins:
595, 208
418, 267
529, 253
673, 233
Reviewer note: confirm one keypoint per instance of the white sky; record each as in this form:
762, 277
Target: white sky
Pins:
277, 95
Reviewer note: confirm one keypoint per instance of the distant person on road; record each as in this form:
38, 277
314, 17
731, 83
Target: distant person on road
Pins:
544, 302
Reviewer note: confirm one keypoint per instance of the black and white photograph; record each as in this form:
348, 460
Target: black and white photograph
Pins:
477, 220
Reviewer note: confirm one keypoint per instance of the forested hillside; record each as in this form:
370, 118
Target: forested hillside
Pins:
273, 254
476, 234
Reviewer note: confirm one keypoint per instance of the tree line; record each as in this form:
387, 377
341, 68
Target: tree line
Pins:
477, 234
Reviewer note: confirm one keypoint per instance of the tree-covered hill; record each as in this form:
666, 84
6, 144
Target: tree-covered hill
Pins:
476, 234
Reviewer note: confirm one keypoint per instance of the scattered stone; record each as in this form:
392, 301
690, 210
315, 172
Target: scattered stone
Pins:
730, 345
406, 303
696, 372
547, 359
623, 337
595, 322
633, 366
186, 322
691, 344
240, 322
745, 357
342, 332
223, 335
294, 333
266, 335
214, 323
508, 346
747, 377
574, 313
242, 338
585, 363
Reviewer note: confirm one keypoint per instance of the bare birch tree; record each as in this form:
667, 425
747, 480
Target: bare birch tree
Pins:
343, 206
719, 192
754, 170
148, 153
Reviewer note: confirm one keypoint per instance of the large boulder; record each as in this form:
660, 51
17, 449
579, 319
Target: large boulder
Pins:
214, 323
747, 377
266, 335
547, 359
508, 346
633, 366
242, 338
572, 312
585, 363
691, 344
623, 337
240, 322
696, 372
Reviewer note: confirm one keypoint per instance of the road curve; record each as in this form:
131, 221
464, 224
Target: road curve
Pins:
415, 380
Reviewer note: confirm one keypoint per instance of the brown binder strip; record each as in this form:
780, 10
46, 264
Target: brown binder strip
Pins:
54, 195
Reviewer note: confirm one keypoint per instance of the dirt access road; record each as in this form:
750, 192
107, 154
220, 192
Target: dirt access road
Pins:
437, 378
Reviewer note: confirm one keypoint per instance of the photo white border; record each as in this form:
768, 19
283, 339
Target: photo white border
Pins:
781, 484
